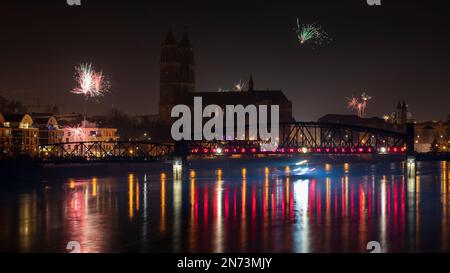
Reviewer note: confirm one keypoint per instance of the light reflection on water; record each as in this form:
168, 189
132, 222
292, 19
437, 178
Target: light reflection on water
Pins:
229, 210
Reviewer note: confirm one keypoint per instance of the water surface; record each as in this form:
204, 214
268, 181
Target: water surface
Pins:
234, 209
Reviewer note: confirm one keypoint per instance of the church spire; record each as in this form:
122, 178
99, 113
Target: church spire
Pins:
169, 49
185, 42
187, 63
250, 84
170, 40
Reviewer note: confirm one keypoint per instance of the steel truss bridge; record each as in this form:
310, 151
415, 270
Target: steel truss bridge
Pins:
314, 138
295, 138
106, 151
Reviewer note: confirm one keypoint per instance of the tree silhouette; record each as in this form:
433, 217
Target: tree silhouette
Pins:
11, 107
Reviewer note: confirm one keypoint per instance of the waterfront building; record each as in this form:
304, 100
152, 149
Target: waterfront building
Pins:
49, 130
5, 137
24, 134
395, 121
355, 120
432, 136
88, 132
69, 118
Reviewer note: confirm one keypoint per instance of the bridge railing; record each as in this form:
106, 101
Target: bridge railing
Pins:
105, 150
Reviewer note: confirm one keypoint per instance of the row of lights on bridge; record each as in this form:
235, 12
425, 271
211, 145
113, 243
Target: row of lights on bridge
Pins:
361, 150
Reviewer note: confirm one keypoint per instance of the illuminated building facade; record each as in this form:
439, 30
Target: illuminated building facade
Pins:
90, 132
5, 137
49, 130
432, 136
24, 134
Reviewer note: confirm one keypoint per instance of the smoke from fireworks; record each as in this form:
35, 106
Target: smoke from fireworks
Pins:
359, 105
90, 83
311, 32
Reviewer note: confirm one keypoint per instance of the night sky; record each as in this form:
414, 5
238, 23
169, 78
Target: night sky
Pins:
400, 50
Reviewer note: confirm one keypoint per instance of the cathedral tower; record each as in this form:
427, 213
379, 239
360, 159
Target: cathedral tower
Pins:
401, 114
177, 74
187, 65
169, 76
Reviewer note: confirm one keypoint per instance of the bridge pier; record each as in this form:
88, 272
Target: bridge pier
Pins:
410, 137
181, 152
410, 150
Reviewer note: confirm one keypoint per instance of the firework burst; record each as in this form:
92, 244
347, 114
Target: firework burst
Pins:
359, 104
83, 77
310, 32
78, 133
90, 83
240, 86
101, 85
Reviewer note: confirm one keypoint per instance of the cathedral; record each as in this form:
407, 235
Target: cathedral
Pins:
177, 74
177, 84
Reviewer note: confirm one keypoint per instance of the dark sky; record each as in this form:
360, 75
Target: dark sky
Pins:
400, 50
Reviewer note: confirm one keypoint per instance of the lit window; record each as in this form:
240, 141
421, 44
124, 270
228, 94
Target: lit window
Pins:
25, 125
